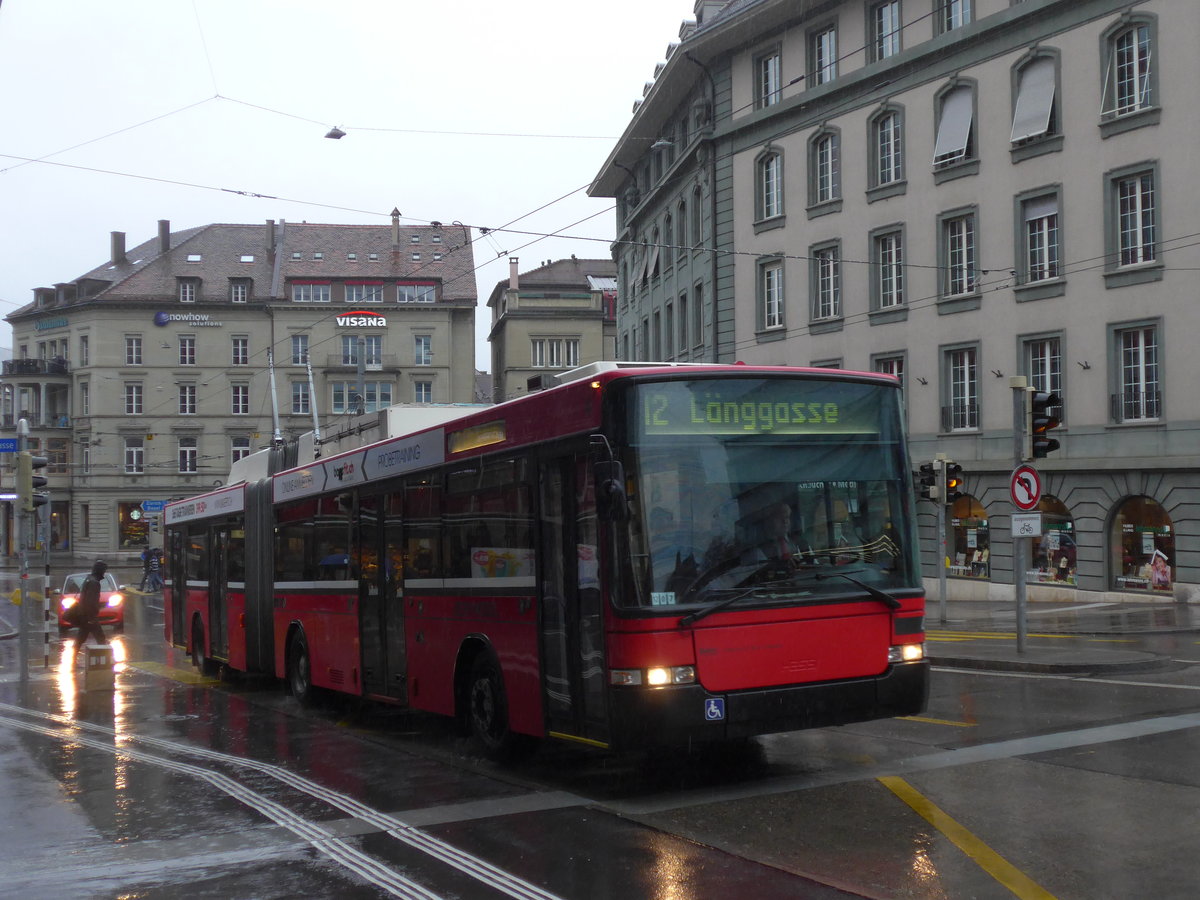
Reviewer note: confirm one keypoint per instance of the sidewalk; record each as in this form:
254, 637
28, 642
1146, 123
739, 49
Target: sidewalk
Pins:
982, 635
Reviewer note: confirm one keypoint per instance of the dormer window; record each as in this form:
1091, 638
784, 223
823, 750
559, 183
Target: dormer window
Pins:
247, 257
194, 257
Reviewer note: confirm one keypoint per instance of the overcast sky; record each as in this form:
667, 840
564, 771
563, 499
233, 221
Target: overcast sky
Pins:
141, 110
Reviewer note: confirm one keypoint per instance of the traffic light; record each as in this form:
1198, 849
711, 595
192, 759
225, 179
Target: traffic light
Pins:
1039, 422
28, 483
927, 482
954, 481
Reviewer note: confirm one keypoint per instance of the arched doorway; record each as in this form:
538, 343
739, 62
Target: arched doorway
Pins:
1052, 557
970, 547
1142, 547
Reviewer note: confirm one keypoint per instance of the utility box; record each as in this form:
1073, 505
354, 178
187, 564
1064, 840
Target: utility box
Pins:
98, 674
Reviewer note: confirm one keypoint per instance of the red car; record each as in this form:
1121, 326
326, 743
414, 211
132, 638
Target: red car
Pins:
112, 601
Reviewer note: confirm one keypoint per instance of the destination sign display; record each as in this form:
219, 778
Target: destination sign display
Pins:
758, 407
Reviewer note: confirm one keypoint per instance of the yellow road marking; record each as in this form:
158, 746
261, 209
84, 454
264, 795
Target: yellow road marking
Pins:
985, 857
938, 721
182, 675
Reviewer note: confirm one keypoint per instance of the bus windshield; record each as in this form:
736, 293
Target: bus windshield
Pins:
777, 489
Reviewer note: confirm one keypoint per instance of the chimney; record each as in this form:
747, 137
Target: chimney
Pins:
118, 248
270, 235
514, 280
395, 229
164, 235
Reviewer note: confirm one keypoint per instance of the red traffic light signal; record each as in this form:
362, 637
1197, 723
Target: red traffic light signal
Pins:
1040, 422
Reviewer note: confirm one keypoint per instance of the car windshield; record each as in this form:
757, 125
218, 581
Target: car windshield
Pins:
74, 583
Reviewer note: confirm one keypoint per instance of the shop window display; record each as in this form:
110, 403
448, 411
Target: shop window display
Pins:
1052, 557
970, 553
1142, 541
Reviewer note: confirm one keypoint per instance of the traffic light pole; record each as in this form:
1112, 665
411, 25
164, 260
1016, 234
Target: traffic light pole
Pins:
1018, 385
23, 551
941, 530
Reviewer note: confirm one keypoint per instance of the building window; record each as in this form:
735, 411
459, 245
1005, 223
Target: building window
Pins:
85, 351
313, 292
1142, 547
187, 350
239, 399
826, 263
133, 350
188, 454
962, 376
135, 456
301, 405
1135, 218
956, 126
1040, 234
347, 399
887, 148
423, 350
959, 272
1130, 69
684, 346
891, 365
697, 314
133, 398
767, 81
825, 183
951, 14
769, 168
1035, 113
85, 398
887, 261
239, 448
423, 391
970, 555
771, 297
299, 349
884, 24
239, 290
364, 293
571, 352
1043, 365
697, 223
188, 290
1139, 397
241, 350
416, 293
681, 215
187, 399
537, 353
822, 55
1052, 557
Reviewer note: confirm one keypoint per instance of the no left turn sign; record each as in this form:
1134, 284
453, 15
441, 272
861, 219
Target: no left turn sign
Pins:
1025, 487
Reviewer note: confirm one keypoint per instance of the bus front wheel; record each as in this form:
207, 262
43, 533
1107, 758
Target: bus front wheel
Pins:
199, 660
487, 711
299, 670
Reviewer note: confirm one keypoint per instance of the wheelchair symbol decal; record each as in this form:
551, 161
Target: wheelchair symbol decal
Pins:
714, 709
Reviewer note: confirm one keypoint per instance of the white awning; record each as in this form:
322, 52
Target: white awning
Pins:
1035, 100
954, 129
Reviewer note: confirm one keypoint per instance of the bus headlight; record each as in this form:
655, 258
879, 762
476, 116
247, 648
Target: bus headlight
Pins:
906, 653
655, 676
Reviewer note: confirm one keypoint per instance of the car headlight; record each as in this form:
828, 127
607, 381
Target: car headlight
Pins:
68, 602
115, 600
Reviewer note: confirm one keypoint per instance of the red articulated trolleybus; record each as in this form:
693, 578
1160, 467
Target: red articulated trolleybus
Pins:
643, 555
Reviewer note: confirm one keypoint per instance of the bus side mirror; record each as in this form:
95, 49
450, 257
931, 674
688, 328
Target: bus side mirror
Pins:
611, 501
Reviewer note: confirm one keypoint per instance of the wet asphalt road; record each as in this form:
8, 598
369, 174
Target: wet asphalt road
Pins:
1011, 785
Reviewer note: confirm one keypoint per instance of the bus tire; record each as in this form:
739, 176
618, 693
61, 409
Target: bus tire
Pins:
202, 663
299, 670
487, 712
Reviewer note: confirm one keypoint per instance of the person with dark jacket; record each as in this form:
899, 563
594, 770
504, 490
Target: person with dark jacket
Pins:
88, 617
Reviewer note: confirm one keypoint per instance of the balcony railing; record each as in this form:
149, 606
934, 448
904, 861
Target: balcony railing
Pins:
37, 367
1135, 406
385, 361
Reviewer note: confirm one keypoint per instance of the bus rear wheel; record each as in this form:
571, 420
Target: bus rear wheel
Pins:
487, 712
202, 663
299, 670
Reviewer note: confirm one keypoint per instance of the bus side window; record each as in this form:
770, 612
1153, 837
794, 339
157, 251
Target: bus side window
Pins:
422, 528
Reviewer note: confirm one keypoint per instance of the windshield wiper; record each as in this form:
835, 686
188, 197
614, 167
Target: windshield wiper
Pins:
716, 607
876, 594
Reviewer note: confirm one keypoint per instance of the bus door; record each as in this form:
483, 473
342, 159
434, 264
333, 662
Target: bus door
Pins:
571, 608
218, 590
176, 590
380, 621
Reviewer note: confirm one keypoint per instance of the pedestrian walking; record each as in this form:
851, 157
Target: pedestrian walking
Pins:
87, 619
154, 573
145, 568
